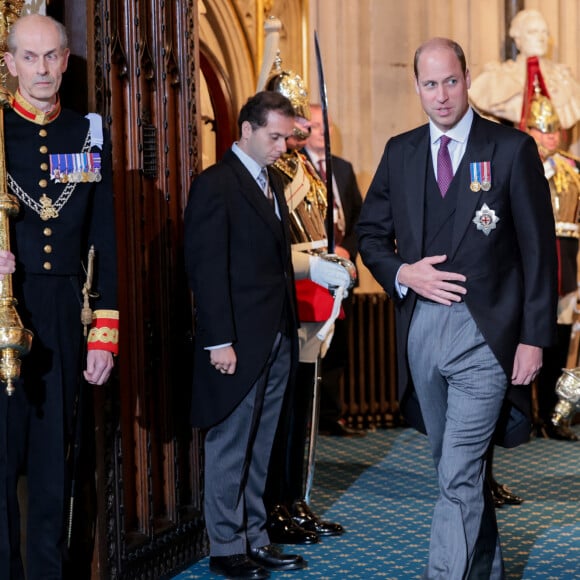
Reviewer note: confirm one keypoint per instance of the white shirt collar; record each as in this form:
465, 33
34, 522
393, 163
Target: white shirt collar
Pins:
248, 162
460, 132
314, 157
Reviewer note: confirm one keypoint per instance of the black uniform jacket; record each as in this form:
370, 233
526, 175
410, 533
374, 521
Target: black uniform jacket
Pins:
58, 246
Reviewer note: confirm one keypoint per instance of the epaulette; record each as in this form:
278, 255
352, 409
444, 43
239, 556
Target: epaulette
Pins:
96, 129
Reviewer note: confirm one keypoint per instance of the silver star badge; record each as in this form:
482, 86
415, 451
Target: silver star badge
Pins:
485, 219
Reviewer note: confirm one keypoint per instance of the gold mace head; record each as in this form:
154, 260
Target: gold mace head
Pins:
10, 11
15, 342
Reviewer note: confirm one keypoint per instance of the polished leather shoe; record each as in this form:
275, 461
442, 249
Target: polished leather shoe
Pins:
498, 502
272, 558
504, 494
237, 566
307, 519
560, 432
282, 529
341, 429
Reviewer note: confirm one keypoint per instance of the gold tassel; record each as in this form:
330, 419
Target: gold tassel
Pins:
87, 312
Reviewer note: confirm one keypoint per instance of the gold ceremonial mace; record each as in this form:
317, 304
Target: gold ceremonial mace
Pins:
15, 340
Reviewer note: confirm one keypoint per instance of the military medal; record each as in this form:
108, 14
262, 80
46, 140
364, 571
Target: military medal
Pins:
85, 167
57, 167
72, 176
75, 167
486, 175
67, 168
474, 171
96, 158
91, 164
54, 169
75, 175
485, 219
81, 167
76, 158
64, 176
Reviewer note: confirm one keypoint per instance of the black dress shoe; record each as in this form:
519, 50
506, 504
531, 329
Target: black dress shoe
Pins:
282, 529
498, 502
560, 432
237, 566
305, 518
272, 558
504, 494
341, 429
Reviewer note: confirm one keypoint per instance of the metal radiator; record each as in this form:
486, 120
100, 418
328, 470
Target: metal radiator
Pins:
370, 381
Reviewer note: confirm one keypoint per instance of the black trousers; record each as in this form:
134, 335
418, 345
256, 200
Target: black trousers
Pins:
36, 424
287, 462
333, 366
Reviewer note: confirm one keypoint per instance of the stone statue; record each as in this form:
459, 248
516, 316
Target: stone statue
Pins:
498, 91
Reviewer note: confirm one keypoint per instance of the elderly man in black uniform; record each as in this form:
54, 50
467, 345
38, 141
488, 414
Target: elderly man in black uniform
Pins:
59, 167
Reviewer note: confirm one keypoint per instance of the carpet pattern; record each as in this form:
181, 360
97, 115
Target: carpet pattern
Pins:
382, 489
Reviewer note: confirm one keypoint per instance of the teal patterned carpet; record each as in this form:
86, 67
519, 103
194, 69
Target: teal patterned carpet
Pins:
382, 489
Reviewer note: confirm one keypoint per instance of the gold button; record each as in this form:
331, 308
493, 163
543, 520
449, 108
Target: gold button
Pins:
43, 183
43, 133
44, 166
48, 249
43, 149
47, 266
47, 232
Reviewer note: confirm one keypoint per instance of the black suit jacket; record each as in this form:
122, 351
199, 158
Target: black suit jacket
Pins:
511, 273
238, 261
350, 199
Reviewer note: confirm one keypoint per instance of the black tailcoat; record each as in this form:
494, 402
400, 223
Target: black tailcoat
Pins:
238, 260
511, 273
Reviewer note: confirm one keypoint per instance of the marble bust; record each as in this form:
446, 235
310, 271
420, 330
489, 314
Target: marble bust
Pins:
498, 91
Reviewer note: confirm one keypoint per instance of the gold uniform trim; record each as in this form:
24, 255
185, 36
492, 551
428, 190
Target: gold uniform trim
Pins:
104, 334
113, 314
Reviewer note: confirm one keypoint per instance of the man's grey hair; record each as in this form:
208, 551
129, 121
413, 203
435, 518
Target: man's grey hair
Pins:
11, 40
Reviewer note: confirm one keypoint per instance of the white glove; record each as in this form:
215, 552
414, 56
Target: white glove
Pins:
328, 274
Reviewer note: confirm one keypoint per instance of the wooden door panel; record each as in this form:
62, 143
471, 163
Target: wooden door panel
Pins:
141, 64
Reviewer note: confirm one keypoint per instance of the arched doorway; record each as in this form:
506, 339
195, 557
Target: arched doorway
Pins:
218, 117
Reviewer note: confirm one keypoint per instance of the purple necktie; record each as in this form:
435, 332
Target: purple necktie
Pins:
444, 166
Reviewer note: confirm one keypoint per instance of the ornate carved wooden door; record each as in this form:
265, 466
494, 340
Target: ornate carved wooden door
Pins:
138, 61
